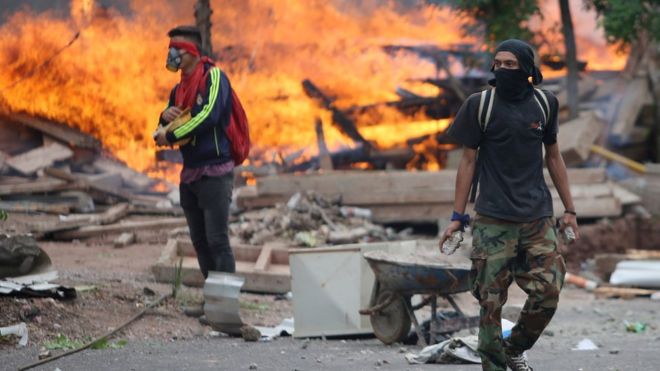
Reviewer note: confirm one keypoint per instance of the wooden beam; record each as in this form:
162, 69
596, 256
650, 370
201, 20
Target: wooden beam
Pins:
91, 231
61, 132
324, 154
576, 137
112, 215
264, 259
98, 191
35, 207
274, 278
607, 292
29, 162
344, 123
40, 185
626, 105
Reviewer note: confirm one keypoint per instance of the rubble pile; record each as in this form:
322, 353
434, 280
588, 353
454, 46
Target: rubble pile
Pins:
309, 220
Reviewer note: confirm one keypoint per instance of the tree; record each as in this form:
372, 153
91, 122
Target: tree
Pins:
625, 21
203, 21
497, 20
571, 59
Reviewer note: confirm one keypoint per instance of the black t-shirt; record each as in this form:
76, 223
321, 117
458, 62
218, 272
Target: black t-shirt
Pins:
510, 160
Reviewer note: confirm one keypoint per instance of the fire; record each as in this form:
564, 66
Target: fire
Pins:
111, 82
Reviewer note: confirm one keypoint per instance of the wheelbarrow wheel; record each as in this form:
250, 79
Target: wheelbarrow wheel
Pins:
391, 323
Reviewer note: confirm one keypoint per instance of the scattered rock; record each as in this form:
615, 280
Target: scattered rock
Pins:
250, 333
614, 351
44, 353
253, 366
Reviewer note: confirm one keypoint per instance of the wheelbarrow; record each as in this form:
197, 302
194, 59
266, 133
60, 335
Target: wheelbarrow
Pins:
398, 278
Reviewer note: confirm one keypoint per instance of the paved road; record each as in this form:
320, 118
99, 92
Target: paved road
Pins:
580, 316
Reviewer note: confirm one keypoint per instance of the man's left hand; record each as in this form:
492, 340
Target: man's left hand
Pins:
160, 137
569, 220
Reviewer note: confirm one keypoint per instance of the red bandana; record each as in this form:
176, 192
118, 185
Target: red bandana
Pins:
190, 84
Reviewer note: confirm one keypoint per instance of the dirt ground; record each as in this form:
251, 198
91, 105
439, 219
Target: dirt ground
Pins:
114, 284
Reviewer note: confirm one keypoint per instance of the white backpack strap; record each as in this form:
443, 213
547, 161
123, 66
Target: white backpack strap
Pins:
485, 102
545, 106
490, 107
482, 102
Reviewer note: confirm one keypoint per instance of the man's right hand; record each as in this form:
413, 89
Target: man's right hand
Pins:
171, 113
453, 227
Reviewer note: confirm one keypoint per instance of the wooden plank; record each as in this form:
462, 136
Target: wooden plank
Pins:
357, 182
16, 138
90, 231
591, 207
61, 132
621, 292
29, 162
597, 190
35, 207
345, 182
111, 215
426, 213
130, 177
580, 176
264, 259
275, 279
98, 192
576, 137
627, 105
154, 210
39, 185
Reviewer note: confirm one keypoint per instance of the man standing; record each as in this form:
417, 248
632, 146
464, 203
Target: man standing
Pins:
207, 177
513, 233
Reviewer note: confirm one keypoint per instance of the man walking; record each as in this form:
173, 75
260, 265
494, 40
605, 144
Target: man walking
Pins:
207, 177
513, 232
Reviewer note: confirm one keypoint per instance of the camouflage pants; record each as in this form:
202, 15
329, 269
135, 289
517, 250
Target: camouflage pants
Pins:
504, 251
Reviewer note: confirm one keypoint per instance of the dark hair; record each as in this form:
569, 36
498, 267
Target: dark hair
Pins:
189, 32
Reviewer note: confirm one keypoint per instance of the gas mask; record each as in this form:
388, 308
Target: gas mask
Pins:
173, 59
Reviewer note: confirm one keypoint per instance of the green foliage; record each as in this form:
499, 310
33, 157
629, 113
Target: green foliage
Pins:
497, 20
253, 306
178, 278
63, 342
3, 215
105, 344
625, 20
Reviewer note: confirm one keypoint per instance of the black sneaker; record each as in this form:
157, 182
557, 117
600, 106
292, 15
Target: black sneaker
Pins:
518, 362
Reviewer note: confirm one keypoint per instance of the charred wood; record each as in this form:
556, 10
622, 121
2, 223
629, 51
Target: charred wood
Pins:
343, 122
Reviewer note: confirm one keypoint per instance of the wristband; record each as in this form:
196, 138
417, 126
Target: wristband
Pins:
570, 212
463, 218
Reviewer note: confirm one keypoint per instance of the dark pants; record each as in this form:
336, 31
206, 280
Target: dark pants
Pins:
205, 204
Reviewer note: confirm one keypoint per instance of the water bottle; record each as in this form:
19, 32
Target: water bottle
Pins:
452, 243
569, 235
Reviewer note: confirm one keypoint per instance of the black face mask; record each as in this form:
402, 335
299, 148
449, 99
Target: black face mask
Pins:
512, 85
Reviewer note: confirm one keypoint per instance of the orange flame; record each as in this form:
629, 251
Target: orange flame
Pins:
112, 84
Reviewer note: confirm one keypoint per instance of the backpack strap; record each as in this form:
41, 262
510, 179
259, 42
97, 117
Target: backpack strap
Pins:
486, 101
485, 108
542, 100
